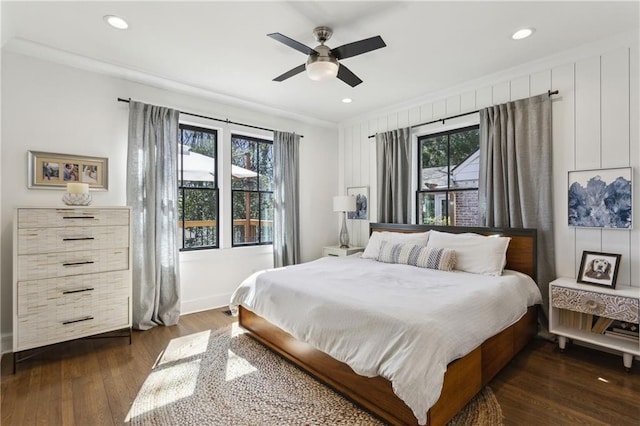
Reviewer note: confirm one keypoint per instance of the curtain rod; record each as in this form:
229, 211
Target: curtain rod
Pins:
214, 119
549, 92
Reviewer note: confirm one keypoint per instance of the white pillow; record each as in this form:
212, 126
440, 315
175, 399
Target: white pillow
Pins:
478, 254
373, 246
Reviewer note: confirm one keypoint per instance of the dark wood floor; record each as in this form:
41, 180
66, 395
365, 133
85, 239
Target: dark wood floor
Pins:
94, 382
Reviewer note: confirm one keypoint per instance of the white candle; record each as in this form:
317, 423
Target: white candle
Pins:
77, 188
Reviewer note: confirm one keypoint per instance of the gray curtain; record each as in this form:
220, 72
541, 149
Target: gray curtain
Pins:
152, 193
515, 188
286, 212
393, 152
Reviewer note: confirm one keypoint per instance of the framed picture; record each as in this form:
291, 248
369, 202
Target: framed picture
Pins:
601, 198
362, 202
599, 268
53, 171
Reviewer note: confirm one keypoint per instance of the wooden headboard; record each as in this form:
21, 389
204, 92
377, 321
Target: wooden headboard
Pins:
521, 253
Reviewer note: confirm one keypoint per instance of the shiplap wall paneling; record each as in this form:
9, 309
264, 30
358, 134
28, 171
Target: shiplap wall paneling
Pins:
484, 97
520, 88
562, 110
541, 83
501, 93
373, 174
468, 101
440, 109
634, 149
453, 106
426, 113
615, 144
587, 143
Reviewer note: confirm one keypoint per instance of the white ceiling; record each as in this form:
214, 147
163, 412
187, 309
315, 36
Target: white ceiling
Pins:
222, 47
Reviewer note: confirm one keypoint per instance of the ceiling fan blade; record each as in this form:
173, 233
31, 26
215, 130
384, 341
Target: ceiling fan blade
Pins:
292, 43
347, 76
358, 47
290, 73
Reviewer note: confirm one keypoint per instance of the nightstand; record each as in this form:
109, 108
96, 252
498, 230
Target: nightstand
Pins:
337, 251
587, 313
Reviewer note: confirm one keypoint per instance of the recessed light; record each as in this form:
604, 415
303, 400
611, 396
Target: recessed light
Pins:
347, 100
523, 33
116, 22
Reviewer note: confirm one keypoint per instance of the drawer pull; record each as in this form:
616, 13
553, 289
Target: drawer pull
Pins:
78, 239
78, 217
88, 318
591, 304
77, 291
85, 262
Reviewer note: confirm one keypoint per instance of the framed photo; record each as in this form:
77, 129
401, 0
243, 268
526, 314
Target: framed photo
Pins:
53, 171
362, 202
601, 198
599, 268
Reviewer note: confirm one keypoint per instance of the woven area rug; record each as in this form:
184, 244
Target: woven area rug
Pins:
225, 377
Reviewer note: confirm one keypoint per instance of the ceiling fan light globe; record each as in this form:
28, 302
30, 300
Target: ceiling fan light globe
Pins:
321, 71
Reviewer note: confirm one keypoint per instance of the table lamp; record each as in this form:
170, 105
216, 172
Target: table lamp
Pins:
344, 204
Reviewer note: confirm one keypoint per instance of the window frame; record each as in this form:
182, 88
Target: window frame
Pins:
257, 140
440, 191
216, 188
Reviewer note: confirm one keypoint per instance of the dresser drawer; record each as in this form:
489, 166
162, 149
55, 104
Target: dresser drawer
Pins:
63, 217
81, 238
83, 316
40, 266
69, 292
615, 307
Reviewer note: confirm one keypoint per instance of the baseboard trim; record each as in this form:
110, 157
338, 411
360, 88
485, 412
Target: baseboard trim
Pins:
204, 304
7, 343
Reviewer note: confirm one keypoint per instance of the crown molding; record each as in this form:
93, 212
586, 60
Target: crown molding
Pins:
50, 54
627, 39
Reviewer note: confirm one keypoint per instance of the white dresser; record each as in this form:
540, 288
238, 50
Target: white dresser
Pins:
71, 274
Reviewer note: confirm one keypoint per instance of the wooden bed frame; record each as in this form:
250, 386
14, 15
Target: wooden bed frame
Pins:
464, 378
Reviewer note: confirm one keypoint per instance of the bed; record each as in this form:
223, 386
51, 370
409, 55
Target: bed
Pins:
464, 376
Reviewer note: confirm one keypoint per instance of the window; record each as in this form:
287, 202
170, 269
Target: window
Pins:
197, 188
448, 173
251, 190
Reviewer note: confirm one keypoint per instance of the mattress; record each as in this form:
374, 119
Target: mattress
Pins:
400, 322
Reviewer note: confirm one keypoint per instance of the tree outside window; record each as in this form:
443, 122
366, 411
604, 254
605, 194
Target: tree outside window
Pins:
197, 188
252, 190
448, 165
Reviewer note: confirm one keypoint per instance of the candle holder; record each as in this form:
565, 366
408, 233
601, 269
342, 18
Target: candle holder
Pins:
72, 199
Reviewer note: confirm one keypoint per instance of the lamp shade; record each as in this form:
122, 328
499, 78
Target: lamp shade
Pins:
344, 203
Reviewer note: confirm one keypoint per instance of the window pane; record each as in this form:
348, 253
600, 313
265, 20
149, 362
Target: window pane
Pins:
432, 208
197, 162
463, 209
244, 168
266, 166
464, 148
266, 217
433, 162
198, 211
245, 217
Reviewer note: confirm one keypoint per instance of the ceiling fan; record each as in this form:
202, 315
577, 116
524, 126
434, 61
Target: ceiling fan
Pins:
322, 63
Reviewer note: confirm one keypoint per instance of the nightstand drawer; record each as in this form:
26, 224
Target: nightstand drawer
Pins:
606, 305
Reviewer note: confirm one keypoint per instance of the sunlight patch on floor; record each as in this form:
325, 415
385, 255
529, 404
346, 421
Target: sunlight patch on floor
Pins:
165, 386
236, 330
185, 347
237, 367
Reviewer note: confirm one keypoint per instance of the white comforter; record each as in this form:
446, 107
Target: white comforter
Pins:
396, 321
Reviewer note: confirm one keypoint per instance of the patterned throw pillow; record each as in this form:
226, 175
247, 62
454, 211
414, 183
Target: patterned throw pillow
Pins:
420, 256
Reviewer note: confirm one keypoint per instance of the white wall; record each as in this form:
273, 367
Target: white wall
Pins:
595, 125
56, 108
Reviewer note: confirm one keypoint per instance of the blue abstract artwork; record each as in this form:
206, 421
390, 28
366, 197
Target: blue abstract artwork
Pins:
600, 198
